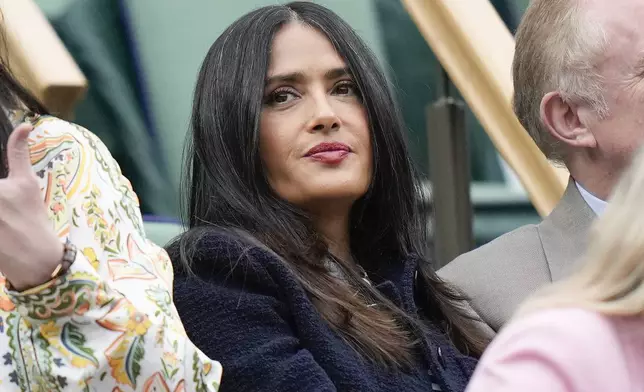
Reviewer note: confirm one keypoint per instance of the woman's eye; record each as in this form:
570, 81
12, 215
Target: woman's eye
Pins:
281, 97
345, 88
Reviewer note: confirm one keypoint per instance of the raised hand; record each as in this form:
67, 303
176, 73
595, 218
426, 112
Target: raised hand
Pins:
29, 249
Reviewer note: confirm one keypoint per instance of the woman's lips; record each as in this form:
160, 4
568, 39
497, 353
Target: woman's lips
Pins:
329, 153
330, 157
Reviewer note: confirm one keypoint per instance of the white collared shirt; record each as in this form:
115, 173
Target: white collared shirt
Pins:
596, 204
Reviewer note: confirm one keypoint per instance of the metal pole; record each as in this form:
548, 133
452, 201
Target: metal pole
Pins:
449, 165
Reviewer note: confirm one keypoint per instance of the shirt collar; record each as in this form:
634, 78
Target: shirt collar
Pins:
596, 204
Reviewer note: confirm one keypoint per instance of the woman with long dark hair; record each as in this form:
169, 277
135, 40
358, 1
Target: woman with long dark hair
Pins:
304, 267
85, 298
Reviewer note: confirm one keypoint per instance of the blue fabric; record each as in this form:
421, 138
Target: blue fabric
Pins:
161, 219
245, 308
139, 77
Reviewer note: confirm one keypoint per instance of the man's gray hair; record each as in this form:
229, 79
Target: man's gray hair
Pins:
558, 46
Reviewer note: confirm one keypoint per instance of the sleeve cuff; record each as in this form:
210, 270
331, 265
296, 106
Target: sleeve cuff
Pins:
39, 289
71, 293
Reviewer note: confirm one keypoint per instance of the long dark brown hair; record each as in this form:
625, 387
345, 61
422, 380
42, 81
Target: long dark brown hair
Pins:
227, 190
12, 96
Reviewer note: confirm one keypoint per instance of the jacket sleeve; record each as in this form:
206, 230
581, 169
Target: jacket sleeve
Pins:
237, 315
108, 324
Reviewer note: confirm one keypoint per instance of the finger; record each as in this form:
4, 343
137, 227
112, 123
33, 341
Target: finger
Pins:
18, 151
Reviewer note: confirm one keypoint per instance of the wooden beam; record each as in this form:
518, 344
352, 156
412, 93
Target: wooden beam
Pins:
476, 49
38, 58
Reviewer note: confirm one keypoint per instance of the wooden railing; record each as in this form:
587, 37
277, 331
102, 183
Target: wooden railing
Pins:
476, 49
38, 58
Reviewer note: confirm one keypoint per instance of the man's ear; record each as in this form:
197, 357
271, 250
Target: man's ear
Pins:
563, 122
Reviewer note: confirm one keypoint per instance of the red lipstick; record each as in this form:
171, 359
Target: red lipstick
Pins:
329, 153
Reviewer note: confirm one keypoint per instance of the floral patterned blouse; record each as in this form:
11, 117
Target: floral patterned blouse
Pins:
109, 324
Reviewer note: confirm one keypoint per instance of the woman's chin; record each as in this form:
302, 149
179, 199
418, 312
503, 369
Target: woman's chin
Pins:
341, 186
328, 198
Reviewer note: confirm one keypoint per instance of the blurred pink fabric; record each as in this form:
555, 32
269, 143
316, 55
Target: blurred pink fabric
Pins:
564, 350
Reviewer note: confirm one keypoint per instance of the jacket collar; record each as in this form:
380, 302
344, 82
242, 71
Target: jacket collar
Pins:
394, 277
564, 232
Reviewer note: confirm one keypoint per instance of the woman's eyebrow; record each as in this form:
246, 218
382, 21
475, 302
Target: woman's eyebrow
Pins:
298, 77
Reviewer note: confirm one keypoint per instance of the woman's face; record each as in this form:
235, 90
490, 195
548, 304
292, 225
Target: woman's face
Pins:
314, 135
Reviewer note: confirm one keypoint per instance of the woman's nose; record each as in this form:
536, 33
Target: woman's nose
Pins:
324, 117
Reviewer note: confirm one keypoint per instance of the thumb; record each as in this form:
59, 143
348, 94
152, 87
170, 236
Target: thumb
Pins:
18, 151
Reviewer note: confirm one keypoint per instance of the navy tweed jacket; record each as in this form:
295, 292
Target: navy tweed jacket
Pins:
244, 308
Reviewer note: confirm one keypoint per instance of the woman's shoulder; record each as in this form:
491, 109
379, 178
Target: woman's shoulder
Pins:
562, 333
566, 319
567, 346
53, 136
206, 241
211, 250
573, 325
213, 265
51, 128
74, 154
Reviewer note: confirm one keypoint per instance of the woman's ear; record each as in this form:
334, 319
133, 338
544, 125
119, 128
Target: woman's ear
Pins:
563, 122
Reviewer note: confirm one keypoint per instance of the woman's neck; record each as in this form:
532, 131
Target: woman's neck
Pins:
335, 230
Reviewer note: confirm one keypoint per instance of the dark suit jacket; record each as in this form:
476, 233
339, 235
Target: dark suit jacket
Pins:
500, 275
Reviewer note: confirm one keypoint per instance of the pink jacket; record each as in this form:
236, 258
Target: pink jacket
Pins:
564, 350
